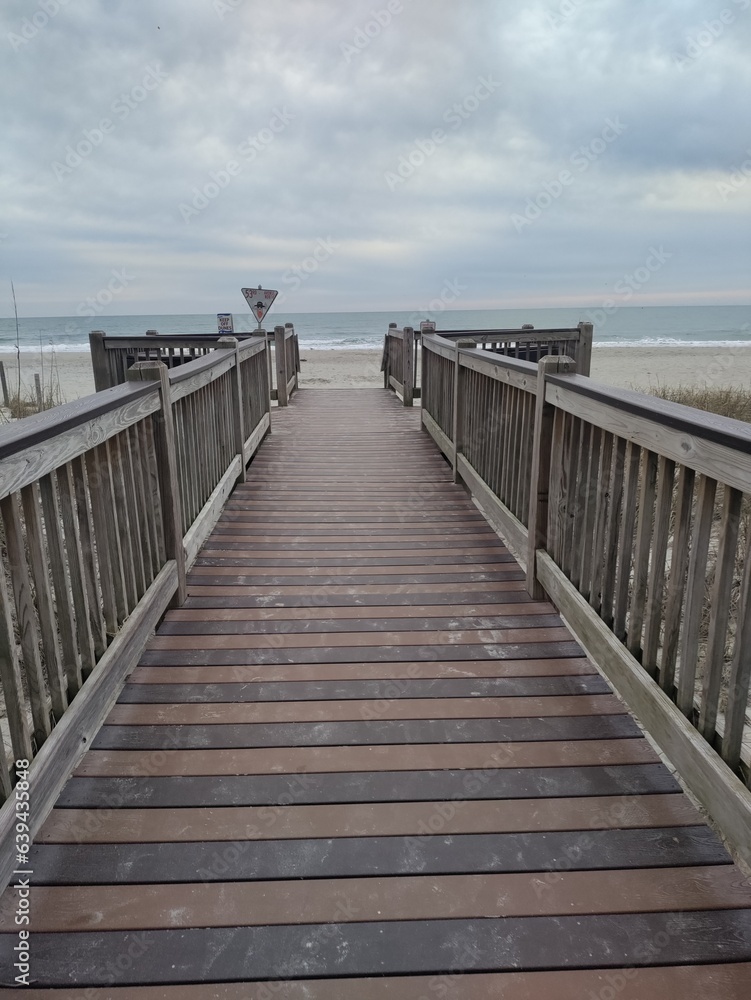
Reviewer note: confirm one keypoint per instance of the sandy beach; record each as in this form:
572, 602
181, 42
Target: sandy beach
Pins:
626, 367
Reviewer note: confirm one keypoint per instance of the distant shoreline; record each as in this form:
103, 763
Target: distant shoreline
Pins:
664, 365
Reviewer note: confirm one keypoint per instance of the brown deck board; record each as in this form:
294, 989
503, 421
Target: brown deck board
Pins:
360, 761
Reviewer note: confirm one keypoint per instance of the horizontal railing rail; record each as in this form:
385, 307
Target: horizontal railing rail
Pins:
633, 514
112, 357
104, 505
399, 362
528, 344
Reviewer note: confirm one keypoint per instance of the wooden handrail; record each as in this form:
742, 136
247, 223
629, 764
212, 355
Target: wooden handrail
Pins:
104, 504
620, 505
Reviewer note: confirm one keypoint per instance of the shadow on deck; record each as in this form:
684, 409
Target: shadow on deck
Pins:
361, 761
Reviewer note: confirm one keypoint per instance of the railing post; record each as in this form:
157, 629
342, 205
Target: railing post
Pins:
387, 355
584, 349
539, 487
296, 348
237, 411
169, 487
408, 368
99, 361
457, 411
426, 326
281, 366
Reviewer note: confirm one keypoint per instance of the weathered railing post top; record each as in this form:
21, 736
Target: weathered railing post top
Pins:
556, 364
228, 342
147, 371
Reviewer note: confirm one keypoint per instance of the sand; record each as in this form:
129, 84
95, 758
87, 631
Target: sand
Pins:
626, 367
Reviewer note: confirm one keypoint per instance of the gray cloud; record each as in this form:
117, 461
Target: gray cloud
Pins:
209, 144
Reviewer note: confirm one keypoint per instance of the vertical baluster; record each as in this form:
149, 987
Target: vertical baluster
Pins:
591, 497
123, 513
656, 588
695, 594
38, 563
602, 509
626, 539
740, 672
91, 576
110, 575
679, 556
26, 618
12, 684
648, 489
62, 611
719, 603
76, 570
582, 488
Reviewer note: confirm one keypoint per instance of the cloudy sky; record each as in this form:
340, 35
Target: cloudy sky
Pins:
362, 155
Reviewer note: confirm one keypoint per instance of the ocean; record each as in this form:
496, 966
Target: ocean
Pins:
628, 325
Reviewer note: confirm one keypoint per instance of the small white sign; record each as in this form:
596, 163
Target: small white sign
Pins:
225, 323
260, 300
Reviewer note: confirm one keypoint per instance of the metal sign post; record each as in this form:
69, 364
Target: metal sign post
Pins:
260, 301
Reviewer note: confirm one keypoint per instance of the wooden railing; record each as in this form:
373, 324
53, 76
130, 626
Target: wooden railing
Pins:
401, 361
398, 362
104, 504
112, 357
634, 516
528, 344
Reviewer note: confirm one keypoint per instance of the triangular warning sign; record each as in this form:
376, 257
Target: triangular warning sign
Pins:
260, 300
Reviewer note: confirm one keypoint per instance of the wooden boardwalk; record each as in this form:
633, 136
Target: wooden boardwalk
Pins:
361, 762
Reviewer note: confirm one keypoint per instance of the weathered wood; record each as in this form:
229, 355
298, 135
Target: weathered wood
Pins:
74, 732
74, 547
4, 385
40, 444
509, 527
697, 568
93, 582
725, 571
679, 558
714, 446
724, 796
26, 618
539, 491
203, 525
12, 685
739, 680
408, 366
61, 582
164, 431
99, 360
657, 569
647, 494
280, 353
237, 414
584, 349
626, 538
